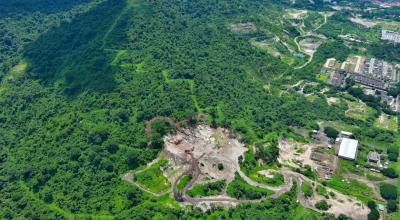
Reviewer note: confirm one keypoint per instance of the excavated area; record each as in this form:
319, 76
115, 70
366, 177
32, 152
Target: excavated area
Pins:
212, 148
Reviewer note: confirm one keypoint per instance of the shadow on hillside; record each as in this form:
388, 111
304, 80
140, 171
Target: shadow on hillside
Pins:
8, 7
73, 54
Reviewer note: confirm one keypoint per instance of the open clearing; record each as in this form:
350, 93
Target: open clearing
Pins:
387, 122
296, 14
210, 146
295, 154
358, 110
364, 22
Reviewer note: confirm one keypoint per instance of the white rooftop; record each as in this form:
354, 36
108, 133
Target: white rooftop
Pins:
346, 133
348, 148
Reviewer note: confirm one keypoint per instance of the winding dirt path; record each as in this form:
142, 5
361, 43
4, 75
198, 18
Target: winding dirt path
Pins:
308, 34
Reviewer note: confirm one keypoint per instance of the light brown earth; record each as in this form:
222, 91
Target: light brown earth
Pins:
243, 27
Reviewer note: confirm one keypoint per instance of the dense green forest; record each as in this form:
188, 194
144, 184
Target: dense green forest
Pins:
74, 122
8, 8
22, 21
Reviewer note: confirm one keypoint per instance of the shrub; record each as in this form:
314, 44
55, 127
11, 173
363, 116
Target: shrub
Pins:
331, 132
390, 172
373, 215
371, 204
393, 154
343, 217
388, 191
220, 166
207, 189
392, 206
322, 205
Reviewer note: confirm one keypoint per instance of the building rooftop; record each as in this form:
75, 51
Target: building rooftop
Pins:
348, 148
373, 156
346, 134
381, 207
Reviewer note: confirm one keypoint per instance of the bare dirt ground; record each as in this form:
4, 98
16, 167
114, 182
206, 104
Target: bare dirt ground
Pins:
333, 101
295, 154
267, 173
243, 27
364, 22
210, 146
296, 14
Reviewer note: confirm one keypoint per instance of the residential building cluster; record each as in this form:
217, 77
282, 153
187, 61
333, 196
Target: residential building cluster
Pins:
375, 76
391, 36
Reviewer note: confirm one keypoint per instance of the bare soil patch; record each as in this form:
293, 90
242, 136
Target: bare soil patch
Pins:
243, 27
210, 146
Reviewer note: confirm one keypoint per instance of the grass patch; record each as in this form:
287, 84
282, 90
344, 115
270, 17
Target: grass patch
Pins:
359, 110
375, 176
349, 166
153, 178
276, 180
323, 77
307, 189
351, 187
239, 189
207, 189
184, 181
322, 190
387, 122
301, 213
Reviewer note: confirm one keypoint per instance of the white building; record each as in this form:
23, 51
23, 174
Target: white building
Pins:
348, 149
391, 36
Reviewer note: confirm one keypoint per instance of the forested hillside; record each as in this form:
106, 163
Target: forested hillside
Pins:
73, 122
22, 21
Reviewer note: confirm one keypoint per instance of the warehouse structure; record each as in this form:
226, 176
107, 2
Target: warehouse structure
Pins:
348, 149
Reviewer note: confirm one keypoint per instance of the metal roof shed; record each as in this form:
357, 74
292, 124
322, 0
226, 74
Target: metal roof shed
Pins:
348, 149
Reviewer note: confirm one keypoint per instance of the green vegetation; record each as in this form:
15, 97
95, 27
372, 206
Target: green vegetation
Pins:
152, 178
387, 122
207, 189
274, 179
331, 132
307, 189
360, 111
322, 205
323, 77
321, 190
239, 189
313, 21
373, 215
388, 191
351, 187
390, 172
339, 24
392, 206
375, 176
81, 78
184, 181
22, 22
393, 154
